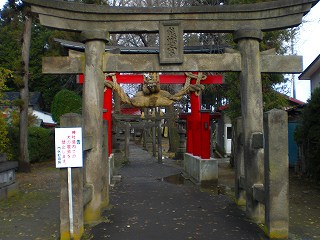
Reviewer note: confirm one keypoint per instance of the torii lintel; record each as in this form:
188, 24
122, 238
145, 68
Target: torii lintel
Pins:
227, 62
265, 16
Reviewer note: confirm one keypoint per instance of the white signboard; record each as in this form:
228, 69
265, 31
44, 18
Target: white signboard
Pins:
68, 144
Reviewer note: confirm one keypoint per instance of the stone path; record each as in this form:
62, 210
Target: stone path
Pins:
146, 206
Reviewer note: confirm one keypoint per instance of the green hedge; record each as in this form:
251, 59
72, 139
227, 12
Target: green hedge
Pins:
65, 101
41, 143
4, 137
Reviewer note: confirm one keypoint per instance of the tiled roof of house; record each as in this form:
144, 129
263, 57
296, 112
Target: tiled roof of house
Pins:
35, 99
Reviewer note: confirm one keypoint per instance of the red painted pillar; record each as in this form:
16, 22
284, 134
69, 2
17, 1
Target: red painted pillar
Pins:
196, 122
205, 134
107, 115
189, 134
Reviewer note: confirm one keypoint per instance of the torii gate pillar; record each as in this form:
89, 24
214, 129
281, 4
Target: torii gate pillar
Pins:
196, 122
107, 115
252, 115
95, 162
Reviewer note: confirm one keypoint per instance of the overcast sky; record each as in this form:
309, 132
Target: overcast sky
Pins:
307, 46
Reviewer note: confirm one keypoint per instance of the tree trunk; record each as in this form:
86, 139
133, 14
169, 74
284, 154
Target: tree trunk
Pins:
24, 161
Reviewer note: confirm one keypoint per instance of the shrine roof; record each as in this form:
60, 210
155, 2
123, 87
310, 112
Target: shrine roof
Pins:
78, 46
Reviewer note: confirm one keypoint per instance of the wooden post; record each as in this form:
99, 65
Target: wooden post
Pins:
145, 129
71, 120
158, 125
144, 136
127, 140
154, 139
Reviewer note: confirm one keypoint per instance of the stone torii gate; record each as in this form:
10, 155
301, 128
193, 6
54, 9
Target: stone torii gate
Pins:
247, 24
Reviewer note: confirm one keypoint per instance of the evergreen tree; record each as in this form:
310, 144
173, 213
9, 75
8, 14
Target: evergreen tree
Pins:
272, 84
308, 135
65, 101
42, 44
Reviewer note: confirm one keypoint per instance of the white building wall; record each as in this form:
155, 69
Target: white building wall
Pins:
315, 81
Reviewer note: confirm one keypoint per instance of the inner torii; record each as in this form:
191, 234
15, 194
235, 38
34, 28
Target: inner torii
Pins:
151, 94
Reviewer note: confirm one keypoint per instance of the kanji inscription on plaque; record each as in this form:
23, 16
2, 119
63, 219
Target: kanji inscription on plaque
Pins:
171, 42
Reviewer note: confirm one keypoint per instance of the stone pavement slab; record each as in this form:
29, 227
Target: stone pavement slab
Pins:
145, 206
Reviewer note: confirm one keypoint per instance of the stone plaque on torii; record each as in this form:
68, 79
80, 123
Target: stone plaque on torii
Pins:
246, 22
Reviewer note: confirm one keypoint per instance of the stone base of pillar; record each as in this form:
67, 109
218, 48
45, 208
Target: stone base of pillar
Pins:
201, 170
8, 185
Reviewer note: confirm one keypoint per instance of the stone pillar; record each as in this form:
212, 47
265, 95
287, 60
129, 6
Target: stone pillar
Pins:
71, 120
239, 164
277, 176
252, 116
182, 141
92, 117
107, 165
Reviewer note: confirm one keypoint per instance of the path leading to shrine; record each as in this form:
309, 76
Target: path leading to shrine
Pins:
147, 205
159, 207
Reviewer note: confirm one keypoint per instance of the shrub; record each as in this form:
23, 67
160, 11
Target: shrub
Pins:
65, 101
4, 138
13, 134
41, 143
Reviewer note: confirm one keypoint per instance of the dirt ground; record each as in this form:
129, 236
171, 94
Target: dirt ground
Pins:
304, 203
34, 212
